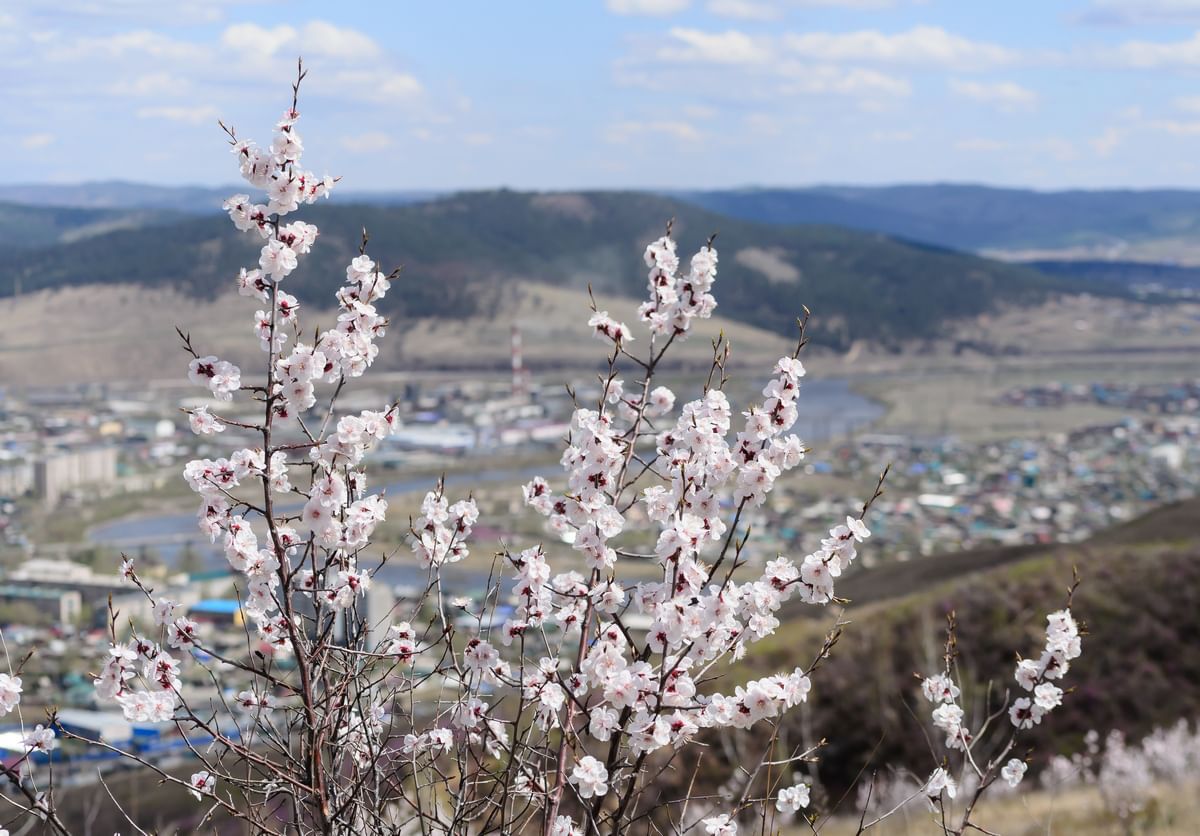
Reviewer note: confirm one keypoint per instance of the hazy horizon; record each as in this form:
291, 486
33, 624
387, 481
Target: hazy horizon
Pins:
235, 186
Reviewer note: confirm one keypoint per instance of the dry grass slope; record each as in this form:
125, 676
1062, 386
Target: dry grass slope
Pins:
127, 332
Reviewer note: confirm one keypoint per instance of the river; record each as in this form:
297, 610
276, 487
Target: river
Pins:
828, 408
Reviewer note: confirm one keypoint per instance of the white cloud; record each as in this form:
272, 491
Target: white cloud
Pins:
729, 47
324, 39
35, 141
252, 38
317, 37
1005, 94
150, 84
625, 131
1177, 128
889, 137
982, 144
745, 9
763, 124
1141, 12
369, 143
776, 9
1188, 103
846, 4
824, 79
142, 12
737, 65
1156, 54
176, 113
138, 43
1057, 147
1107, 142
921, 45
383, 86
652, 8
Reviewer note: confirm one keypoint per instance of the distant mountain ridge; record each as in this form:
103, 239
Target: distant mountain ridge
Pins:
972, 217
957, 216
460, 249
125, 194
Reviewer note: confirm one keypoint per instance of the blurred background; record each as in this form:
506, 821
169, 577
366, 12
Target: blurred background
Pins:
991, 210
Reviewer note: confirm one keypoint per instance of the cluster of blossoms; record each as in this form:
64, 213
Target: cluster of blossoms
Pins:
220, 376
10, 693
1062, 645
338, 515
947, 713
676, 299
440, 533
635, 696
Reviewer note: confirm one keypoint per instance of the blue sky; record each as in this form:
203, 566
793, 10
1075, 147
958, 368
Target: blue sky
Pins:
612, 93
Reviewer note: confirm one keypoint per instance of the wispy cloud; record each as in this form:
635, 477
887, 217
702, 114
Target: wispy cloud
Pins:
746, 9
368, 143
150, 84
38, 140
623, 132
315, 38
929, 46
651, 8
982, 144
1007, 95
728, 47
1157, 54
180, 113
1140, 13
824, 79
1176, 127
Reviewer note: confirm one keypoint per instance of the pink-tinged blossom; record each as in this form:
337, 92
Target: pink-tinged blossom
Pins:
590, 777
792, 799
204, 423
721, 825
609, 329
277, 260
147, 706
940, 783
164, 612
565, 826
10, 692
41, 739
221, 377
202, 783
940, 688
1014, 771
1025, 714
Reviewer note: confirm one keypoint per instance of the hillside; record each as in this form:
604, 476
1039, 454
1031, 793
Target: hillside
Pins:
29, 227
124, 332
1140, 601
458, 251
970, 217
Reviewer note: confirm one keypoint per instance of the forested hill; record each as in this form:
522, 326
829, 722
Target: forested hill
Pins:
30, 227
456, 249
